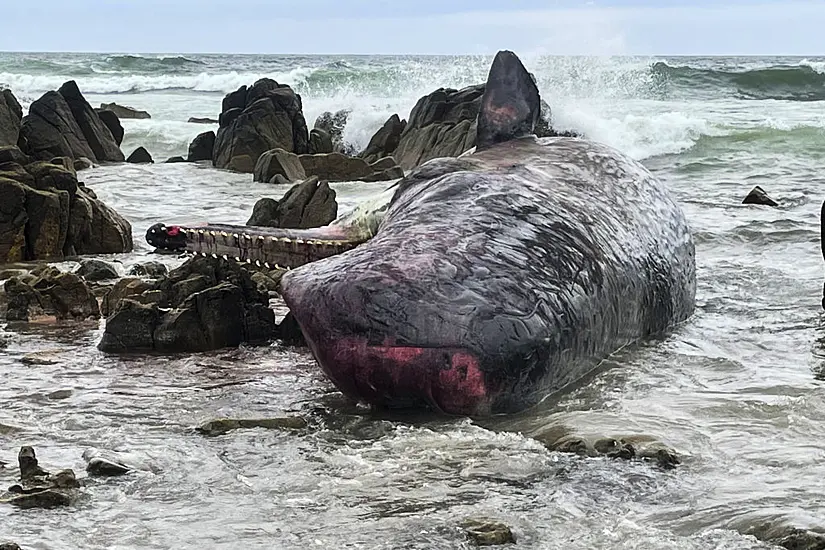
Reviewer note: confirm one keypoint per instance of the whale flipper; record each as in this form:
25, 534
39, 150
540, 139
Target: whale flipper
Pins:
510, 106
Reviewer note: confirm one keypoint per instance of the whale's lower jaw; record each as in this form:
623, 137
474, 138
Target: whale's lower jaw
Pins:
446, 380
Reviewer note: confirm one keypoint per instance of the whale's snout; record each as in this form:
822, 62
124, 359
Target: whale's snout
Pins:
376, 349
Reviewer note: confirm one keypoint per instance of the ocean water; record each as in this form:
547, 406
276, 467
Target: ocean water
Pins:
737, 390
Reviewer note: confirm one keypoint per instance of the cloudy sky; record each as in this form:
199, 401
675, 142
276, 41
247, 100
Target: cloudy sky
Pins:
602, 27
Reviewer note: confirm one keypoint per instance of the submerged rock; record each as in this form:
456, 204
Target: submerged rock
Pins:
196, 120
102, 464
63, 295
221, 426
338, 167
760, 197
154, 270
487, 532
38, 488
9, 546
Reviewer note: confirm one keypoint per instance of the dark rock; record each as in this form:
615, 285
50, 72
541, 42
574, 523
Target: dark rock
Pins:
279, 179
50, 130
10, 116
30, 469
140, 156
97, 134
195, 120
130, 327
66, 163
208, 304
112, 122
265, 213
124, 288
319, 142
333, 125
23, 301
154, 270
12, 153
9, 546
289, 332
201, 147
484, 532
50, 177
94, 228
443, 124
242, 163
124, 112
174, 160
71, 297
104, 464
266, 116
82, 164
760, 197
339, 167
308, 204
385, 141
48, 225
278, 161
13, 219
96, 270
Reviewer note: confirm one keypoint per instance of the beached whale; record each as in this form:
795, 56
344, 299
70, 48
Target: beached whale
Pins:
492, 280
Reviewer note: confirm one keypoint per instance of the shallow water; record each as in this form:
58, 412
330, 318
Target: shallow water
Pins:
737, 390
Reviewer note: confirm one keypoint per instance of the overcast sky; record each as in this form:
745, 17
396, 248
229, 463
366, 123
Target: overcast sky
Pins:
699, 27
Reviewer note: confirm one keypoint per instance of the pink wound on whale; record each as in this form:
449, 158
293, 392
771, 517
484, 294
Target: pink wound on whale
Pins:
173, 231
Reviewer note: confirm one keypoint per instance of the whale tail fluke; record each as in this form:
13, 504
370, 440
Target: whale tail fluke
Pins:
510, 106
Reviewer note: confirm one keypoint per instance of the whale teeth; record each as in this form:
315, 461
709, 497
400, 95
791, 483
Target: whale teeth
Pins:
225, 257
200, 231
258, 263
224, 234
266, 264
299, 241
260, 237
286, 239
249, 260
213, 233
273, 239
237, 258
235, 235
214, 255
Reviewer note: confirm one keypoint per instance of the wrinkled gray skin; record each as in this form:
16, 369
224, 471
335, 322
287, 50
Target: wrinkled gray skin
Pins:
498, 278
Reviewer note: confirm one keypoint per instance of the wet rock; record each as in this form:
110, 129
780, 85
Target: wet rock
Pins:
278, 161
333, 124
385, 141
201, 147
174, 160
95, 228
66, 163
443, 124
266, 116
208, 304
154, 270
45, 498
12, 153
96, 270
785, 536
140, 156
130, 327
221, 426
82, 164
30, 469
289, 332
23, 301
102, 464
123, 111
196, 120
124, 288
13, 219
242, 163
11, 114
9, 546
760, 197
319, 142
97, 134
308, 204
265, 282
112, 122
486, 532
339, 167
72, 298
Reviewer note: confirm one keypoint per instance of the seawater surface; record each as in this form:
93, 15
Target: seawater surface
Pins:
737, 390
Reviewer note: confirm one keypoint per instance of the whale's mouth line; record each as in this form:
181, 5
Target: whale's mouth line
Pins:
263, 246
